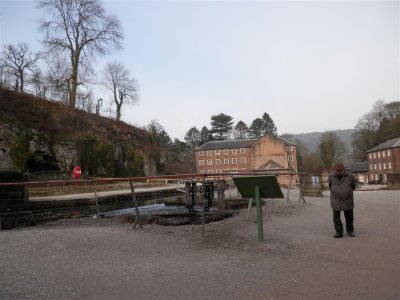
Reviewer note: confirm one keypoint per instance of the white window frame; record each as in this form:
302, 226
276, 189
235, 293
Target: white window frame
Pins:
217, 152
201, 153
389, 165
201, 162
217, 162
209, 162
234, 161
202, 172
218, 171
243, 160
374, 155
388, 153
234, 151
210, 171
226, 161
290, 157
226, 151
242, 150
384, 166
209, 152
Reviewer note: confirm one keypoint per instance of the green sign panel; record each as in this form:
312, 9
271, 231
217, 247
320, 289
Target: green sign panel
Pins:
268, 186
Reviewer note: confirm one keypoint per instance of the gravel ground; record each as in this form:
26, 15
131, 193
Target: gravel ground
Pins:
298, 259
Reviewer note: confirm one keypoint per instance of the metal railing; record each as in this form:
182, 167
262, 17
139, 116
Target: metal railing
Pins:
31, 202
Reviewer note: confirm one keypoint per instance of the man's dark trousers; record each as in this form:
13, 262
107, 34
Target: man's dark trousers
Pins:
348, 215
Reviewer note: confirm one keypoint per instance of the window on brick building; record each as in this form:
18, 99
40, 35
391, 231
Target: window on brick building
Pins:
217, 152
374, 155
371, 167
370, 156
201, 153
379, 155
388, 153
226, 151
234, 151
226, 161
201, 162
234, 161
389, 165
242, 151
243, 160
209, 162
290, 157
209, 152
201, 171
384, 165
209, 171
218, 171
383, 153
217, 162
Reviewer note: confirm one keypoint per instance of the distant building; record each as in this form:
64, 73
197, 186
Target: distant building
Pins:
241, 155
360, 171
382, 160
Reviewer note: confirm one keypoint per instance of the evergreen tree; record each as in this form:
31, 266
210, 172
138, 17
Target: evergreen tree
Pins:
193, 138
256, 128
221, 125
241, 130
205, 135
269, 125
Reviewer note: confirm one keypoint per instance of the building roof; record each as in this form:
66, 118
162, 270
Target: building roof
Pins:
226, 144
394, 143
359, 167
234, 144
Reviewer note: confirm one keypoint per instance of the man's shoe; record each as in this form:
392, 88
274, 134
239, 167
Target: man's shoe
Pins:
351, 234
338, 235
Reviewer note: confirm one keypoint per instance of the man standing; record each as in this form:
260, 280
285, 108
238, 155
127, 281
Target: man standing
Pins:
342, 185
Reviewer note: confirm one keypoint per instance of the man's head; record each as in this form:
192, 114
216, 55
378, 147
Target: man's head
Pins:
339, 168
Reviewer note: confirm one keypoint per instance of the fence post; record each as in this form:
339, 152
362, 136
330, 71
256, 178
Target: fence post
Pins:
137, 218
97, 203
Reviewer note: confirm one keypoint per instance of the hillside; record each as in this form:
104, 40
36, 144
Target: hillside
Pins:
42, 135
312, 139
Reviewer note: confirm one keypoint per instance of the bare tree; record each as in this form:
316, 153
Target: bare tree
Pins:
18, 59
124, 88
81, 29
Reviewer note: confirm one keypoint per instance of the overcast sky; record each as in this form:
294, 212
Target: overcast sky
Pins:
312, 66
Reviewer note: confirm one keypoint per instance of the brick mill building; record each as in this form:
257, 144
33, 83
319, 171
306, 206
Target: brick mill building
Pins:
241, 155
383, 159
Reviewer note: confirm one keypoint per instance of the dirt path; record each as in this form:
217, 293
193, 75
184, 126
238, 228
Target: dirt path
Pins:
298, 259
